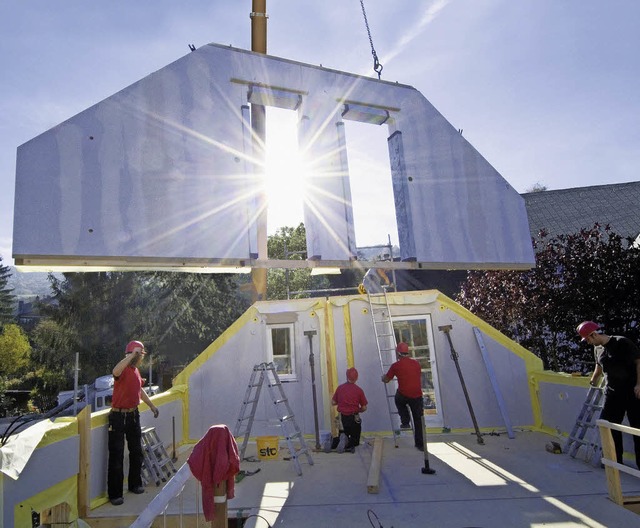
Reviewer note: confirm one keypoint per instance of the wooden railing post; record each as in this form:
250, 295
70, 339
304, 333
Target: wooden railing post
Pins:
84, 466
609, 453
221, 519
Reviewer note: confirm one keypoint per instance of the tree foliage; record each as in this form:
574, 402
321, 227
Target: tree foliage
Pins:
176, 315
14, 350
184, 312
6, 296
290, 243
590, 275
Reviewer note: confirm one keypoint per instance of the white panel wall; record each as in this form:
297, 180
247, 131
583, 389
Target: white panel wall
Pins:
152, 173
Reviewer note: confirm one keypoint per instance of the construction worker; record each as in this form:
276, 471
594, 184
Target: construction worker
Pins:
351, 401
409, 393
618, 358
124, 422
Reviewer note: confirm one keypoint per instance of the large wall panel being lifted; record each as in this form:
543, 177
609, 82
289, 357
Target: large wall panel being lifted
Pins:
165, 174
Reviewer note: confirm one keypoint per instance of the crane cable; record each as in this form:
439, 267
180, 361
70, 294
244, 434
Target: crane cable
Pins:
377, 67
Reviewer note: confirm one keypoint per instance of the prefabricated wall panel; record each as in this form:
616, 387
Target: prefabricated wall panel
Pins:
164, 172
218, 387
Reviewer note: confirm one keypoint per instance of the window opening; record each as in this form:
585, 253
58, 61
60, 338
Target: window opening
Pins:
374, 212
281, 349
284, 170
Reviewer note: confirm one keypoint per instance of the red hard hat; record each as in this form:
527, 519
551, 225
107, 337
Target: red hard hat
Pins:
402, 348
586, 328
133, 345
352, 374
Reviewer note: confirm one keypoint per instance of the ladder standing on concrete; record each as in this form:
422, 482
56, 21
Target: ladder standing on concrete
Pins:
386, 344
585, 432
266, 373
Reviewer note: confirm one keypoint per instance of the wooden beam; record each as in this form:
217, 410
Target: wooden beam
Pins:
84, 461
373, 481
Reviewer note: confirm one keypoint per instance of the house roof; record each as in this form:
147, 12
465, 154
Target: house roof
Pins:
567, 211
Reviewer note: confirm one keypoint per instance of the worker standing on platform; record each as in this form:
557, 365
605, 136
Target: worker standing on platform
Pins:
409, 393
618, 358
124, 422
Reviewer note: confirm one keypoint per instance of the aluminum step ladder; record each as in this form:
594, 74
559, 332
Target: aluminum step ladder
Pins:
266, 373
386, 344
585, 432
157, 465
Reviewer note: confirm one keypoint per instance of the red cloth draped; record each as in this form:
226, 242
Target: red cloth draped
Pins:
215, 459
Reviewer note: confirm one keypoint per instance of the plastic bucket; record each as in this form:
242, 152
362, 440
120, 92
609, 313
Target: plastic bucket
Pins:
267, 447
324, 436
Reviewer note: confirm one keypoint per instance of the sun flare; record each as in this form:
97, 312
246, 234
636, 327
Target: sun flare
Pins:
284, 171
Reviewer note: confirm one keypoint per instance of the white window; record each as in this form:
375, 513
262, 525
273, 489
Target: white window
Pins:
280, 345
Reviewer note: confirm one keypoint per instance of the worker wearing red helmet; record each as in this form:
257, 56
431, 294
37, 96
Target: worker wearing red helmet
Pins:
350, 401
124, 422
409, 393
618, 358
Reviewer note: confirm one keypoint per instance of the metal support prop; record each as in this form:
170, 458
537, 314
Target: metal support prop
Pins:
310, 334
454, 355
426, 470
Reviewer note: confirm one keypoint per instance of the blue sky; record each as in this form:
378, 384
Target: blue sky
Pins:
546, 90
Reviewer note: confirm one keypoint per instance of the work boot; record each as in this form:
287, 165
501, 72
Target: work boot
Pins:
117, 502
137, 490
342, 443
326, 447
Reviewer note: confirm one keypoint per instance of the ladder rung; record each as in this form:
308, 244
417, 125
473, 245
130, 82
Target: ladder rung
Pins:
276, 402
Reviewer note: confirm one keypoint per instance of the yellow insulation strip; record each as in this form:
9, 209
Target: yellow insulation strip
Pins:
182, 379
348, 337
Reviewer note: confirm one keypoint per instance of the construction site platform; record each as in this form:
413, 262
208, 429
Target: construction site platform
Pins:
514, 483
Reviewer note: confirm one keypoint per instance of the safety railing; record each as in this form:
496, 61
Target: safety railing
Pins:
611, 466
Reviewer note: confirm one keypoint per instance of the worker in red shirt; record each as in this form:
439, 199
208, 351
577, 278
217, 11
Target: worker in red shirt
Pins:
124, 422
409, 393
351, 401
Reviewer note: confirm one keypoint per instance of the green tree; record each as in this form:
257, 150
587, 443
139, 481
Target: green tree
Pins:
590, 275
176, 315
7, 299
14, 350
183, 313
290, 243
95, 315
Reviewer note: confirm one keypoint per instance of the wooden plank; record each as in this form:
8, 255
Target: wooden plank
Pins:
609, 458
373, 481
84, 467
58, 514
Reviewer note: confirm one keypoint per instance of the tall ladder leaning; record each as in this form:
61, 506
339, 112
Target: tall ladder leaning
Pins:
266, 373
386, 343
585, 432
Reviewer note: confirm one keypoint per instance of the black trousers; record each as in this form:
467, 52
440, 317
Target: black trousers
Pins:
404, 405
121, 426
617, 403
352, 428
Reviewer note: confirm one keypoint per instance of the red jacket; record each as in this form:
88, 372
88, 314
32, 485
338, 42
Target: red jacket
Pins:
215, 459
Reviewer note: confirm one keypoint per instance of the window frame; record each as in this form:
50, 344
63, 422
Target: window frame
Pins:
284, 376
